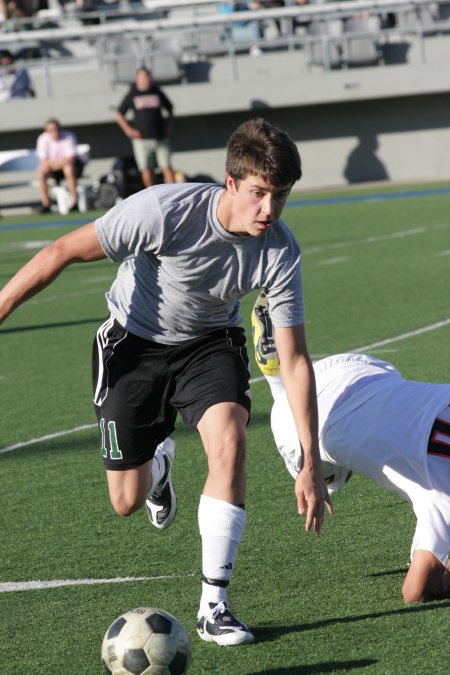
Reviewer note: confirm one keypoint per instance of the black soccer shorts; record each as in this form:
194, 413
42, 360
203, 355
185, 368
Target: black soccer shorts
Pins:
140, 385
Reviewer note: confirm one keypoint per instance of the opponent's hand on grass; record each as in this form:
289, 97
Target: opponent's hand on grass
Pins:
312, 497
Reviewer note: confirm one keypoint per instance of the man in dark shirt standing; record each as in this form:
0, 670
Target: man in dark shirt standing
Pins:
149, 131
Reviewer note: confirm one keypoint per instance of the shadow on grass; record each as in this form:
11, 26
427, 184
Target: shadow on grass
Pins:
268, 634
388, 573
329, 667
45, 326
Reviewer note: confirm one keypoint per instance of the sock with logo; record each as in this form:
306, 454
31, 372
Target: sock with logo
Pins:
221, 526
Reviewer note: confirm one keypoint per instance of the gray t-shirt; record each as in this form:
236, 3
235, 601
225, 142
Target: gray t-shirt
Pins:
182, 275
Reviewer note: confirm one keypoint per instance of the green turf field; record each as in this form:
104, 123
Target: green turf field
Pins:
377, 279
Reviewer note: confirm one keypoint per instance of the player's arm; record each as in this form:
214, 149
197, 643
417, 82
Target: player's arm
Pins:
299, 382
427, 578
81, 245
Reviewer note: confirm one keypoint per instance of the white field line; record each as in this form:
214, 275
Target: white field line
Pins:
63, 296
93, 280
334, 261
24, 245
12, 586
47, 437
404, 336
371, 239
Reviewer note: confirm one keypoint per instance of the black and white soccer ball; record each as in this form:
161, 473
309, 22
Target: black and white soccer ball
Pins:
146, 641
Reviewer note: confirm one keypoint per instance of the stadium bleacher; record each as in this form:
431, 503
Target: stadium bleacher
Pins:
311, 55
184, 30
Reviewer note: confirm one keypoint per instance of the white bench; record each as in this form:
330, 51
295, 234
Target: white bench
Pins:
25, 161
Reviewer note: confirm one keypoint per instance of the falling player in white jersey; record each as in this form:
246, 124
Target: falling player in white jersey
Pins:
374, 422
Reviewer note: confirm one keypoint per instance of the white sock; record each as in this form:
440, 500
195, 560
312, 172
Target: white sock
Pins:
276, 385
221, 526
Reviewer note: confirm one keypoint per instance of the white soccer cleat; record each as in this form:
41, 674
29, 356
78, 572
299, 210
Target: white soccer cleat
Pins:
222, 627
161, 505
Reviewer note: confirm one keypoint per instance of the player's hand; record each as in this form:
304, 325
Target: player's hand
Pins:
312, 497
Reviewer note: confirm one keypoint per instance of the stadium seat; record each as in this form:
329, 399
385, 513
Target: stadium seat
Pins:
210, 41
163, 57
361, 41
444, 12
420, 19
123, 57
324, 47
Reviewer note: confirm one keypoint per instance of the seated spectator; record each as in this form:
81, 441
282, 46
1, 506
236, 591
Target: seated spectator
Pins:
89, 10
13, 10
244, 31
56, 150
274, 4
24, 9
14, 82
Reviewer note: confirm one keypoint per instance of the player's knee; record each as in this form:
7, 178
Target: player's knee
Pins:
124, 506
227, 454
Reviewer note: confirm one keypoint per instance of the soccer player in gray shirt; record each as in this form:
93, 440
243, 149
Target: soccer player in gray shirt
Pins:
172, 344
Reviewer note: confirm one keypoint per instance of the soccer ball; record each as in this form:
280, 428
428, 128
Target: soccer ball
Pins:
146, 641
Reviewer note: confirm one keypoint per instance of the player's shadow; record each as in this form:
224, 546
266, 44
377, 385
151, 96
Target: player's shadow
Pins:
271, 633
327, 667
45, 326
363, 165
388, 573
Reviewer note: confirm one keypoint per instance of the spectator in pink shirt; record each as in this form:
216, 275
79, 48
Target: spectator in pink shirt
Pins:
56, 150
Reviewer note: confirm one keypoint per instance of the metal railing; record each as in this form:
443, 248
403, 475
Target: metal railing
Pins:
415, 20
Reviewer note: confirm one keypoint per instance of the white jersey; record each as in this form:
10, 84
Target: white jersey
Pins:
376, 423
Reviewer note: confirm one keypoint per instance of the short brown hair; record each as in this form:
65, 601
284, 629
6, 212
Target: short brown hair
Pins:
53, 121
260, 149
